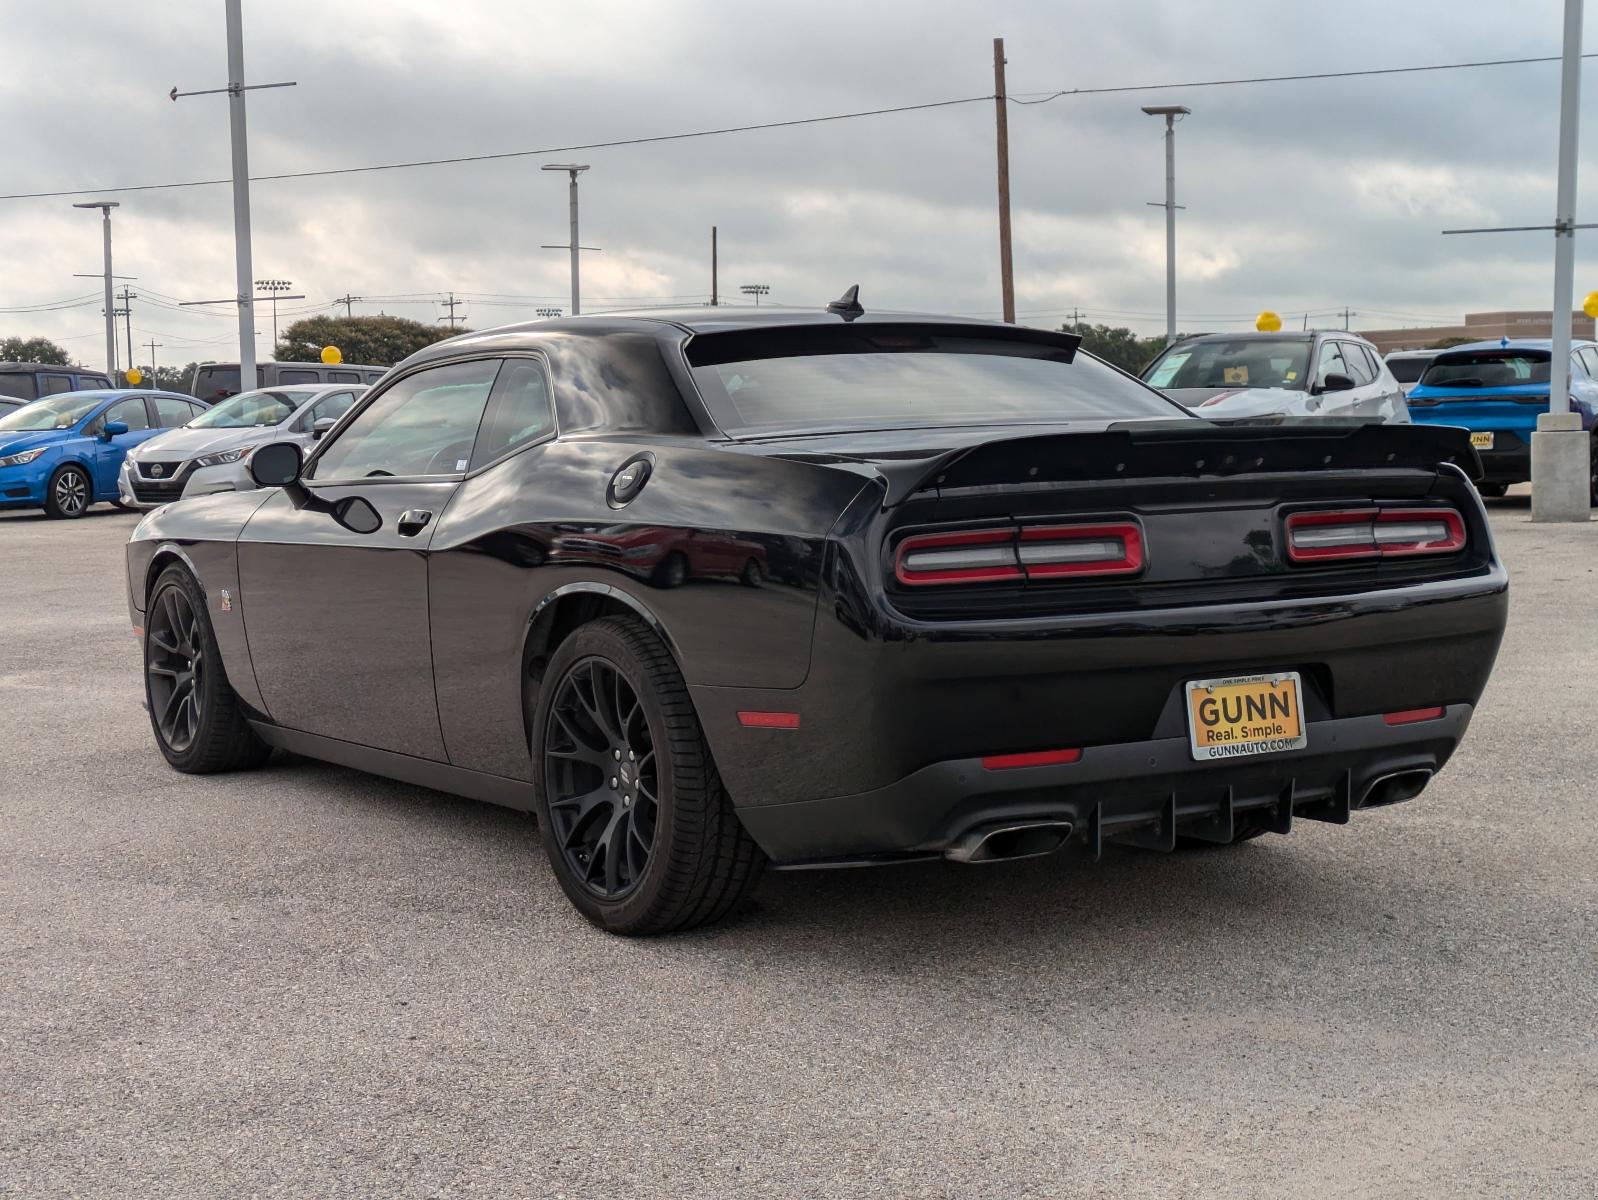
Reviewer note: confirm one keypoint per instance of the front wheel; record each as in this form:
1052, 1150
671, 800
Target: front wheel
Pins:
632, 812
69, 494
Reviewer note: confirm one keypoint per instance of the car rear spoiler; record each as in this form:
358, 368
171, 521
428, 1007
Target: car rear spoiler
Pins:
1187, 449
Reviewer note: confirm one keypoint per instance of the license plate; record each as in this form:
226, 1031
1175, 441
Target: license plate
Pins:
1248, 714
1482, 441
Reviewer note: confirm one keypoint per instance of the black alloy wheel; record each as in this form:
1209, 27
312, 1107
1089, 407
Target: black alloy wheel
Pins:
68, 496
175, 664
601, 778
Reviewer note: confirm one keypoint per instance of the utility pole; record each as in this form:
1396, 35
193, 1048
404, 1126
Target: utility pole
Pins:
574, 170
105, 207
348, 302
128, 297
154, 346
714, 295
1170, 112
452, 304
1001, 111
236, 87
1347, 314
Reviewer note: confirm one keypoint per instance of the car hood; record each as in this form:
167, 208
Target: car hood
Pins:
191, 443
17, 440
1240, 402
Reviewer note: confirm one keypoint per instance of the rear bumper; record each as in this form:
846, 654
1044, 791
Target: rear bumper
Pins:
1144, 792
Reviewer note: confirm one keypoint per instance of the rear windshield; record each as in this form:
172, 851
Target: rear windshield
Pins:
1231, 363
1407, 370
1488, 368
897, 377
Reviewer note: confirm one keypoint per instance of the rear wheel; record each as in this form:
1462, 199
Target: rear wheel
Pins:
752, 575
634, 818
1492, 491
198, 721
69, 494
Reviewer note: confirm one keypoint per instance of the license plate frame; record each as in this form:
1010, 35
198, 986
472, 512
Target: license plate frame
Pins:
1482, 440
1265, 714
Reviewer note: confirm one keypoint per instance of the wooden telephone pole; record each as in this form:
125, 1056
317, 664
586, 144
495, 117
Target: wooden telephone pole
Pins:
1002, 116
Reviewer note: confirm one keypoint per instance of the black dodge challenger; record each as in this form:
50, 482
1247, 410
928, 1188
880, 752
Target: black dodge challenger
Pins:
709, 588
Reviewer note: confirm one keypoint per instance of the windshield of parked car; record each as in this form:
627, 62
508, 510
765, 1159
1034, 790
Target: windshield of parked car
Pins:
808, 380
252, 409
1231, 363
58, 412
1488, 368
1407, 370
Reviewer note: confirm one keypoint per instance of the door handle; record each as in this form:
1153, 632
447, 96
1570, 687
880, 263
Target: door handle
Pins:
413, 520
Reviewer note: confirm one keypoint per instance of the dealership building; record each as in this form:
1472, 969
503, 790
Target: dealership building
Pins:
1479, 327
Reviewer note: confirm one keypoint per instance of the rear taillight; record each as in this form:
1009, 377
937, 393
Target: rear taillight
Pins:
1030, 552
1373, 533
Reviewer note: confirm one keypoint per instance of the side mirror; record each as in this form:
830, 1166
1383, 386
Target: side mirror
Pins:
322, 425
276, 465
1337, 383
113, 429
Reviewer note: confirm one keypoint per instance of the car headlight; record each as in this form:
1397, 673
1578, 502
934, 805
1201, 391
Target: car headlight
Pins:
217, 460
27, 456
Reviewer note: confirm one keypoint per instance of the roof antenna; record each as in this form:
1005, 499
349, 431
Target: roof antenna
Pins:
848, 305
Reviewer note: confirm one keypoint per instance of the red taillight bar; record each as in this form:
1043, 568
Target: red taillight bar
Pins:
1015, 553
1035, 758
1373, 533
768, 720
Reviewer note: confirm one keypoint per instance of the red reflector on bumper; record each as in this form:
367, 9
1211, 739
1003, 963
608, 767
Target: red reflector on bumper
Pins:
769, 720
1037, 758
1410, 715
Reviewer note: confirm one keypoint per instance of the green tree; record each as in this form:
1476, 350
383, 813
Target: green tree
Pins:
373, 341
35, 350
1117, 345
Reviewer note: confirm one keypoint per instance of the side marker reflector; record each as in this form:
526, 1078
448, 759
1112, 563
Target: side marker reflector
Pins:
1036, 758
1410, 716
768, 720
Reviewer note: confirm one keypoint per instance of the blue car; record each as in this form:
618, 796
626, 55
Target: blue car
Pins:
1497, 390
63, 453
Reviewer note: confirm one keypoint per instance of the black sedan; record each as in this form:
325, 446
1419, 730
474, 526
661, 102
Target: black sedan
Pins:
707, 589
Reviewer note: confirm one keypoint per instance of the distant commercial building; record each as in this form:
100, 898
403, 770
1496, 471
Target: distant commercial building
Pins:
1479, 327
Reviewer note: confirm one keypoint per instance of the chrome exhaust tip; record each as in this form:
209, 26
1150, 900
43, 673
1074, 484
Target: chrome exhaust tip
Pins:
1395, 788
1008, 841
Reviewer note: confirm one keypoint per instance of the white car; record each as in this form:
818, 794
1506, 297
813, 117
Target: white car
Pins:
1317, 373
211, 453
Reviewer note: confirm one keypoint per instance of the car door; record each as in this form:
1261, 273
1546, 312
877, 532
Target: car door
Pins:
107, 453
1329, 361
333, 571
1584, 385
1369, 395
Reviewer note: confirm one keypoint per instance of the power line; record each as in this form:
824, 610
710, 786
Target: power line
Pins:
471, 158
1161, 87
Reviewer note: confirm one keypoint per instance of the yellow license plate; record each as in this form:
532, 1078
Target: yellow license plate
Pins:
1249, 714
1482, 441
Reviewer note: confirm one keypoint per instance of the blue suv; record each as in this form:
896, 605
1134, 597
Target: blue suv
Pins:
63, 453
1497, 390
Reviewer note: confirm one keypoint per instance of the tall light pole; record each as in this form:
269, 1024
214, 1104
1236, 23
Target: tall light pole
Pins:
547, 313
756, 290
1170, 112
105, 207
273, 287
574, 170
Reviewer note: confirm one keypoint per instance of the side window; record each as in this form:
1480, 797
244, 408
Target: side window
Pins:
90, 382
519, 411
1589, 359
1330, 362
297, 375
1359, 365
334, 406
23, 387
130, 412
170, 413
50, 385
423, 425
344, 376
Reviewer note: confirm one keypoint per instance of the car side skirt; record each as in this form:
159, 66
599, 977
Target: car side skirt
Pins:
424, 772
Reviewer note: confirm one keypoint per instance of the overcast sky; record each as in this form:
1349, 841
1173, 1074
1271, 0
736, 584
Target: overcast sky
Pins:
1300, 196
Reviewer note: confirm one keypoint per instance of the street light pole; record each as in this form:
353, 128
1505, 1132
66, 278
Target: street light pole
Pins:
241, 194
573, 169
273, 287
756, 290
1170, 112
105, 207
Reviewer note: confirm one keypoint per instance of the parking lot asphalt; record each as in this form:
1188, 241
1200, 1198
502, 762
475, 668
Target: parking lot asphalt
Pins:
305, 981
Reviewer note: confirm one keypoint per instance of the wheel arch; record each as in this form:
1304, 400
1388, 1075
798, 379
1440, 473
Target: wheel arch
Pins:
165, 555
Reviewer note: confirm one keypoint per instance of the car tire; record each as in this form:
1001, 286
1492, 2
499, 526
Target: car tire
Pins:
69, 494
632, 813
673, 571
123, 506
198, 722
1493, 491
1592, 458
752, 575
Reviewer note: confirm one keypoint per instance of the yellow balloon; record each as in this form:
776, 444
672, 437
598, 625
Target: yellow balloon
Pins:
136, 376
1268, 322
1590, 304
332, 355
